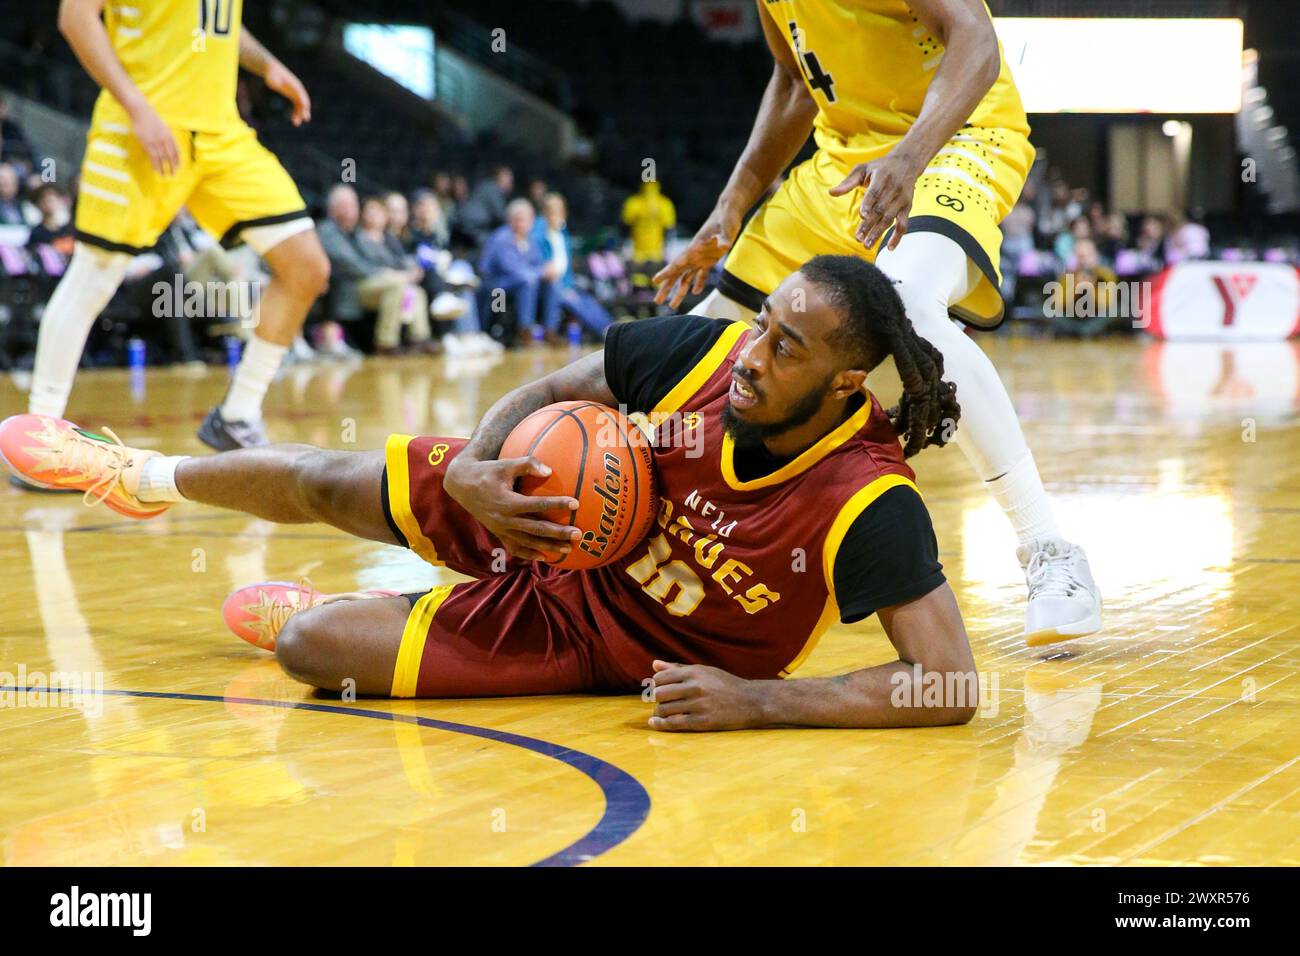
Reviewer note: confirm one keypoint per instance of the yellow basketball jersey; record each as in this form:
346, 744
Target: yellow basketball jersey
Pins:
184, 56
868, 65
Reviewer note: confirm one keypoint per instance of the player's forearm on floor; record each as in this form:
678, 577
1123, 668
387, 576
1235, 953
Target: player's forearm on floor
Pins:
885, 696
781, 127
81, 26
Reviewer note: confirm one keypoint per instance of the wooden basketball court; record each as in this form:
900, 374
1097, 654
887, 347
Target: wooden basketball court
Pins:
1168, 739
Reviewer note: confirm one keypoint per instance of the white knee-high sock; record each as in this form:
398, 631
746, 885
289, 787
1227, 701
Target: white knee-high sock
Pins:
717, 306
257, 367
929, 272
1020, 494
92, 277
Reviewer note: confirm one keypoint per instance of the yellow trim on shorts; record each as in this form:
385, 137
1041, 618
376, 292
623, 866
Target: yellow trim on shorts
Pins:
848, 514
399, 497
406, 673
694, 380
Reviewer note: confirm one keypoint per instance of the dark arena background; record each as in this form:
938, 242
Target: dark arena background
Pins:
496, 185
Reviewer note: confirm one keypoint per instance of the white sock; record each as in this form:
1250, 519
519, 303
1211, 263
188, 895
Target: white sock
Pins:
1023, 500
92, 277
158, 479
252, 378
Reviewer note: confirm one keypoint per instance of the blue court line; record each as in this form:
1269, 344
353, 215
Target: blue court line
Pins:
627, 804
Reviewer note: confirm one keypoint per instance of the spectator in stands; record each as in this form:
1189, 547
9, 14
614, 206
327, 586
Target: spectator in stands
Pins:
459, 190
1188, 239
11, 205
1059, 209
443, 306
451, 282
1064, 245
1096, 218
14, 147
1149, 248
1088, 289
485, 210
399, 218
512, 264
55, 227
1113, 238
649, 215
443, 192
537, 193
560, 295
358, 283
384, 252
1017, 239
428, 222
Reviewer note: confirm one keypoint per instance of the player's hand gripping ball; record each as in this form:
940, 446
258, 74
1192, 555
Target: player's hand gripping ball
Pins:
603, 460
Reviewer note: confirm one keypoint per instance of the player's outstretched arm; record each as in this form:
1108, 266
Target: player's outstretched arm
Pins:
80, 24
484, 485
784, 120
932, 683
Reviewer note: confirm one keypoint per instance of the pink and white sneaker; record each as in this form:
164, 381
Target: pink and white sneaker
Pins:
54, 453
257, 612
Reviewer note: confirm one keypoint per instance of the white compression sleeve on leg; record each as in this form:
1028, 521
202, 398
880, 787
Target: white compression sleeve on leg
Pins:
92, 277
717, 306
930, 271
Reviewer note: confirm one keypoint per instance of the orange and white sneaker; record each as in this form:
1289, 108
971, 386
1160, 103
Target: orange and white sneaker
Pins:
257, 612
53, 453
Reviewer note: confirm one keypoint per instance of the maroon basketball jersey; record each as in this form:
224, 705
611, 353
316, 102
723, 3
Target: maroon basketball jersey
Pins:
739, 574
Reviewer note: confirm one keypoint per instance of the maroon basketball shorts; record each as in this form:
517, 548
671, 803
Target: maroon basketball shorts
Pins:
522, 627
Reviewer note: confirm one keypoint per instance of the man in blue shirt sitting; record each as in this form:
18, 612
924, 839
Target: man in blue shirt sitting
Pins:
513, 268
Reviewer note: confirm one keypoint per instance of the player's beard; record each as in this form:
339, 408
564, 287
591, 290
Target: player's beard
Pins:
746, 434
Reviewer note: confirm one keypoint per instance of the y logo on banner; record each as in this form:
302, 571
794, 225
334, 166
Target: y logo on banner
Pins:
1233, 290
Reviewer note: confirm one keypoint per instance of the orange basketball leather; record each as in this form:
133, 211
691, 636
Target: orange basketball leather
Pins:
602, 459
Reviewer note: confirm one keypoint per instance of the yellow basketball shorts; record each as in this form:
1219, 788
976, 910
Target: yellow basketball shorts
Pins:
229, 181
969, 186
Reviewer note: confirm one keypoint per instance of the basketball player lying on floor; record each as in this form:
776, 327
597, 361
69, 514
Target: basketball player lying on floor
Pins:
799, 510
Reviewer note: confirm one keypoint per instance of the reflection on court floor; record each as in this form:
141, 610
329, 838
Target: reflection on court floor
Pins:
1169, 738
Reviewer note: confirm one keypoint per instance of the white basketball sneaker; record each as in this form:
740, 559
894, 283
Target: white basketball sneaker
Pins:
1063, 599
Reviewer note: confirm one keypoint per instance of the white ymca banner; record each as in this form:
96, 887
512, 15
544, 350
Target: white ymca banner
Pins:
1226, 301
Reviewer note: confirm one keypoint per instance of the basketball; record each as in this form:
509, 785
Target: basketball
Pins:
602, 459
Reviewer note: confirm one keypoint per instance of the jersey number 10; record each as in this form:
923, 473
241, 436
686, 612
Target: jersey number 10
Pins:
215, 16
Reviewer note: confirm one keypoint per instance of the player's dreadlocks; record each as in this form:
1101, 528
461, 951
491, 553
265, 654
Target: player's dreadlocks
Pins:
874, 326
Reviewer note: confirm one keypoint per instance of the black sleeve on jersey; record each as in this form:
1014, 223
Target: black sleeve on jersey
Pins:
646, 358
889, 556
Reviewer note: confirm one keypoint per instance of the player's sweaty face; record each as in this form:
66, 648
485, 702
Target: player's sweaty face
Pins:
782, 377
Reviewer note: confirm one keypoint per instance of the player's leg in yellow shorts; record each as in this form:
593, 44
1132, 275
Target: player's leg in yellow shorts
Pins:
947, 264
243, 194
123, 206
